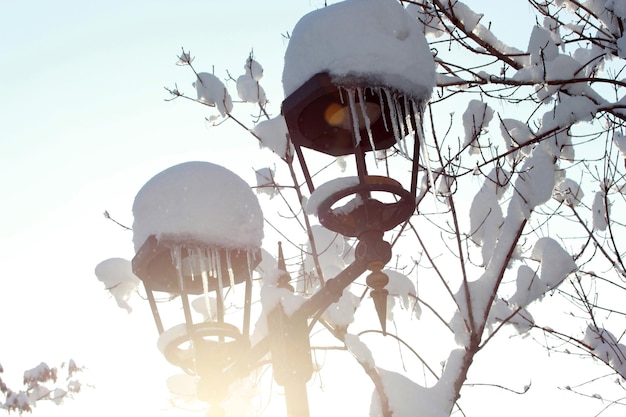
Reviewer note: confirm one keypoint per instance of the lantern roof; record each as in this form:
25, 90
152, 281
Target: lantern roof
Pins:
198, 202
374, 41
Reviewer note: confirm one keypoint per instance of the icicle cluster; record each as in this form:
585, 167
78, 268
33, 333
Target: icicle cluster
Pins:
403, 112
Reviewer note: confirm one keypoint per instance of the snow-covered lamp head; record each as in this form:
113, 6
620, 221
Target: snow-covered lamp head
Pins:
197, 231
357, 76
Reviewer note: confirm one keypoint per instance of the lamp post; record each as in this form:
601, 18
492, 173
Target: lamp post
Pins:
344, 98
354, 91
190, 243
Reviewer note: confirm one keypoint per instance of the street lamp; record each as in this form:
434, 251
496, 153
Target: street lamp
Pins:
354, 90
192, 239
349, 92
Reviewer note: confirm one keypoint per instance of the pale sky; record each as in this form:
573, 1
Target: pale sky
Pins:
83, 125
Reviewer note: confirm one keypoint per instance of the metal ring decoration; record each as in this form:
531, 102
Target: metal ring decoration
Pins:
207, 335
371, 214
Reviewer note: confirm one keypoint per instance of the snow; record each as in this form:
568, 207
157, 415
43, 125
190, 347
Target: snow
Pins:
407, 399
401, 286
621, 47
265, 182
386, 48
272, 297
476, 118
541, 46
536, 181
570, 109
569, 192
607, 348
502, 310
478, 292
486, 216
591, 58
341, 314
599, 211
117, 276
617, 7
273, 135
330, 247
213, 92
424, 14
359, 350
248, 88
188, 203
529, 287
17, 401
515, 134
468, 18
40, 373
327, 189
620, 141
556, 263
175, 333
207, 308
561, 67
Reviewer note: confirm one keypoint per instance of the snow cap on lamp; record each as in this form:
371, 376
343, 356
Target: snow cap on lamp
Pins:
199, 202
375, 40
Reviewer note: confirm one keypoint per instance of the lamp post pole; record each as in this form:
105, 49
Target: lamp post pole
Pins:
288, 338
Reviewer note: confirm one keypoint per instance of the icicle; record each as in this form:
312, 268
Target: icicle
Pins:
205, 281
424, 154
383, 114
341, 99
393, 114
401, 121
231, 275
355, 118
219, 292
249, 258
366, 121
176, 254
407, 122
